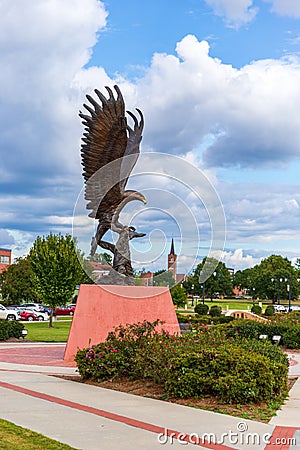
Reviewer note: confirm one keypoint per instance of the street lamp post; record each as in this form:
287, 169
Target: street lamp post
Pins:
203, 292
279, 280
288, 288
253, 296
193, 294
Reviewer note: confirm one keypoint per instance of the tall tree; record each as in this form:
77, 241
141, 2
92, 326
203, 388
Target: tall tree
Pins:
56, 268
273, 275
220, 279
17, 284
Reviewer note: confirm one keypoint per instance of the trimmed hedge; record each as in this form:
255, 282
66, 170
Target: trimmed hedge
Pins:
201, 309
10, 329
206, 320
202, 363
215, 311
269, 311
256, 309
289, 332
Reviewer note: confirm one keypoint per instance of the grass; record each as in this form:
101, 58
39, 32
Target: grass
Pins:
40, 331
232, 303
13, 437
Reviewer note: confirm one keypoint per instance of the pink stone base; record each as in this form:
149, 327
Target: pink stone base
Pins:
100, 309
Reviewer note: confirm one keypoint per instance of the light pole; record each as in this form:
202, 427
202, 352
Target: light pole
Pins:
288, 288
193, 294
279, 280
203, 292
253, 296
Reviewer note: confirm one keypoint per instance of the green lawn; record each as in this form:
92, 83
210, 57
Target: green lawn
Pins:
40, 331
13, 437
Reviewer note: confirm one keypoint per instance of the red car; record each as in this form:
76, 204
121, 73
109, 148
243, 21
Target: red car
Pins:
65, 310
28, 315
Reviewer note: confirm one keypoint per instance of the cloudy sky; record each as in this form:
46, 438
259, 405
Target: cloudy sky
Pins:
218, 82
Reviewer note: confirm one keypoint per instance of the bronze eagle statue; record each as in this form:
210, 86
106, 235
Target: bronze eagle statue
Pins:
109, 151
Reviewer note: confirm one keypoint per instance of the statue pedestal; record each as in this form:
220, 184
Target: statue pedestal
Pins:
101, 308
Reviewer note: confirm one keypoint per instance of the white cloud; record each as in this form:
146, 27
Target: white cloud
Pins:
285, 7
250, 114
235, 12
239, 259
43, 45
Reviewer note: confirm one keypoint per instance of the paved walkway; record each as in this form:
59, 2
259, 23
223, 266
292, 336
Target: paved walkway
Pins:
91, 418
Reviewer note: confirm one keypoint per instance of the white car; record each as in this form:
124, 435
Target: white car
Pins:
295, 308
279, 308
8, 314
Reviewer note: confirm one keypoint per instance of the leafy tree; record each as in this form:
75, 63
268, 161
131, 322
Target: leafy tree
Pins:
273, 275
56, 268
219, 281
16, 283
178, 295
270, 278
102, 258
246, 279
163, 278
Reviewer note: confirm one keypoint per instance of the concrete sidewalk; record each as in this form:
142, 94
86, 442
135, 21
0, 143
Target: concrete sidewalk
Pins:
88, 417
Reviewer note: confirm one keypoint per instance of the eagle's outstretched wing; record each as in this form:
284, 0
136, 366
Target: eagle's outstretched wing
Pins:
109, 152
104, 141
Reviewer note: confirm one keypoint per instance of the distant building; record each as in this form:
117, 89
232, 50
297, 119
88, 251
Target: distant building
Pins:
147, 278
99, 269
5, 259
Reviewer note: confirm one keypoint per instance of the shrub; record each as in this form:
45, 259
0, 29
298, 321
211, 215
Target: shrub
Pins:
215, 311
201, 363
10, 329
256, 309
289, 331
270, 310
201, 309
291, 338
232, 374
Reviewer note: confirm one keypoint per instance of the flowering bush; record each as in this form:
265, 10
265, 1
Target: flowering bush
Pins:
199, 363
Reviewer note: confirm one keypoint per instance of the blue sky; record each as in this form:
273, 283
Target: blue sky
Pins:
219, 84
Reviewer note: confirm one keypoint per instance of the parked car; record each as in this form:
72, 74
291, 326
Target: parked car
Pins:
279, 308
295, 308
47, 309
8, 314
37, 306
30, 315
65, 310
25, 314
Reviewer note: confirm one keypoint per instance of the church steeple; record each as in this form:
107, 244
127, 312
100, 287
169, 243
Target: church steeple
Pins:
172, 251
172, 257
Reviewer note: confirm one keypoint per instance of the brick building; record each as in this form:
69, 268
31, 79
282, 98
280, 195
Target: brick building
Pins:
5, 258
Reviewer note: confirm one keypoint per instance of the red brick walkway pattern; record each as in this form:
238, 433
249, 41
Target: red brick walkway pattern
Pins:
51, 355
